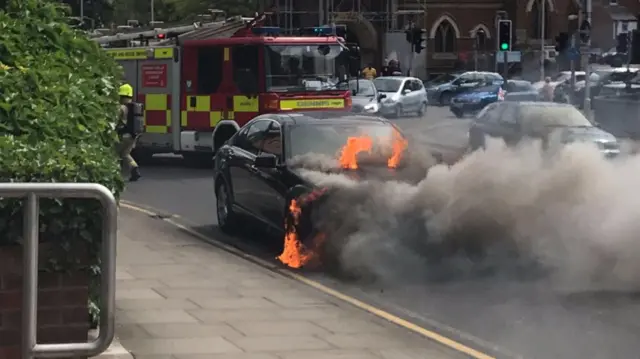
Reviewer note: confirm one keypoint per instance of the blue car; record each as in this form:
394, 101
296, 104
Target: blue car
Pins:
445, 87
475, 100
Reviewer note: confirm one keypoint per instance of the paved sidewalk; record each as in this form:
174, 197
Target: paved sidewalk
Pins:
179, 298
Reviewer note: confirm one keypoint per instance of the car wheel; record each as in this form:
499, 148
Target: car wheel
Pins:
458, 113
224, 210
445, 99
423, 109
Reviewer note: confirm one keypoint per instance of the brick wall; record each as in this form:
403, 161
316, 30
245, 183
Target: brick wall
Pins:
62, 305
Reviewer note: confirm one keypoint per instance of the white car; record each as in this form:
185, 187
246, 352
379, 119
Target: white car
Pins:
565, 76
401, 95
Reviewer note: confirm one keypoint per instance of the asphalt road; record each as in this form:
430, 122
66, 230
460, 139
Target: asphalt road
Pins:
505, 318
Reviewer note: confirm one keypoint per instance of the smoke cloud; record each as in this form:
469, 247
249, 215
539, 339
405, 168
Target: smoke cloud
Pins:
573, 217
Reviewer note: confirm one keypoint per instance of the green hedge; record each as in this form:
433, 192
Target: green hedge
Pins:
58, 108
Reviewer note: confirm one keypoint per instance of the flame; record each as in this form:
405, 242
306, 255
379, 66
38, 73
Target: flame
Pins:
295, 254
349, 153
356, 145
398, 145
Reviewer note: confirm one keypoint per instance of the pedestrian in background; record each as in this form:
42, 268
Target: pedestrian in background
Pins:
128, 132
369, 72
546, 93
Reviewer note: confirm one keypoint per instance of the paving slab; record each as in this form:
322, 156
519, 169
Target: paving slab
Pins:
179, 298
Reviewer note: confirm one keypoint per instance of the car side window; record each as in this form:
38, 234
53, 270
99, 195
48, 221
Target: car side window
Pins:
255, 135
407, 85
272, 141
466, 78
417, 85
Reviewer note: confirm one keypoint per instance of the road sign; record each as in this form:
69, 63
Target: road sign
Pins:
573, 53
512, 56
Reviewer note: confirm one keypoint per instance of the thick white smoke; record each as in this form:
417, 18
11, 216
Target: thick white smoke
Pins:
573, 216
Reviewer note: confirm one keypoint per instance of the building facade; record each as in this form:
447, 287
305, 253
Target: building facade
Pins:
460, 33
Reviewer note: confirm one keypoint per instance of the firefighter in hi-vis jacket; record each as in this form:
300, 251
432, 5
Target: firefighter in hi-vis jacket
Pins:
126, 131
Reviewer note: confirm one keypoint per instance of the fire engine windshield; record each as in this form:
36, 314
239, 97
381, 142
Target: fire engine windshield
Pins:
299, 67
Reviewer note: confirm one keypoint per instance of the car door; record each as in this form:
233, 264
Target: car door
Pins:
484, 124
509, 125
415, 94
405, 98
421, 92
466, 82
242, 170
269, 181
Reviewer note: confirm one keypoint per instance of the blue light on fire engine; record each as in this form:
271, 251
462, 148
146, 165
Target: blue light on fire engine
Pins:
266, 30
322, 31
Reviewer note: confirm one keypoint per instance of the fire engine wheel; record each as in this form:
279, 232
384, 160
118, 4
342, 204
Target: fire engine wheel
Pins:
227, 220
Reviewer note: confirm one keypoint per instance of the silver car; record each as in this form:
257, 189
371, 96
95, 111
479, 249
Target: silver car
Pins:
401, 95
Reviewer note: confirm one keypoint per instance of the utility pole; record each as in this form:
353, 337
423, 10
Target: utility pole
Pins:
153, 12
587, 87
82, 11
573, 69
543, 24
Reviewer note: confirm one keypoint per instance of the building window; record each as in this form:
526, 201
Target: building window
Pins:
537, 18
445, 39
613, 2
480, 37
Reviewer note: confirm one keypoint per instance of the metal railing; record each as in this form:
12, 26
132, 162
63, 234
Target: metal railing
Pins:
32, 192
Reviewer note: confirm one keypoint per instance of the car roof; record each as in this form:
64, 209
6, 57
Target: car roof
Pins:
396, 77
323, 117
538, 104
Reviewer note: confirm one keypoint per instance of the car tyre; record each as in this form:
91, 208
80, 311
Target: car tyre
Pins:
227, 219
423, 109
445, 99
458, 113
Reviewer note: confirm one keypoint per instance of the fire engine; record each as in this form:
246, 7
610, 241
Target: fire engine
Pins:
199, 91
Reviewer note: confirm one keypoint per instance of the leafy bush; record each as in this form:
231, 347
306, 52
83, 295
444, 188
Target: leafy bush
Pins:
58, 107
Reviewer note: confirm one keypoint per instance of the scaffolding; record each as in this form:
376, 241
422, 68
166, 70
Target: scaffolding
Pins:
390, 15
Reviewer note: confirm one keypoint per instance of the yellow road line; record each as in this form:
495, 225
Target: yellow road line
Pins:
450, 343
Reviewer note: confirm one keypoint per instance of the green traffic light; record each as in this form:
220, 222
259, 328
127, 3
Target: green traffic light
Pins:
504, 46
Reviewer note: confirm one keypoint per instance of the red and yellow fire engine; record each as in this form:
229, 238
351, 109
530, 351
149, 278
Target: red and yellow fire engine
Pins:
200, 91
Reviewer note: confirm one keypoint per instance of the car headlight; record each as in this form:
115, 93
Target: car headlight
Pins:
371, 108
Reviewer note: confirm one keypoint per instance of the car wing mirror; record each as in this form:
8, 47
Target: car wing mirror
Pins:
381, 96
266, 160
406, 91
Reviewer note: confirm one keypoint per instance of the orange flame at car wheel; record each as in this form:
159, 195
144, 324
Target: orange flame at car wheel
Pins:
295, 254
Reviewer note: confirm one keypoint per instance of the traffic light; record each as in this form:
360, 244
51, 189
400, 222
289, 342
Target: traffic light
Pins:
562, 42
622, 44
418, 38
408, 32
504, 35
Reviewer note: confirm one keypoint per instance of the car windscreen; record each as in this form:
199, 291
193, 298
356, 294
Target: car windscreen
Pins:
561, 116
387, 84
330, 140
363, 88
443, 79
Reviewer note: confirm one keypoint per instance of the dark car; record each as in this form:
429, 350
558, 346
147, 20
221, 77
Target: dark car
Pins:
475, 100
554, 123
444, 87
257, 173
